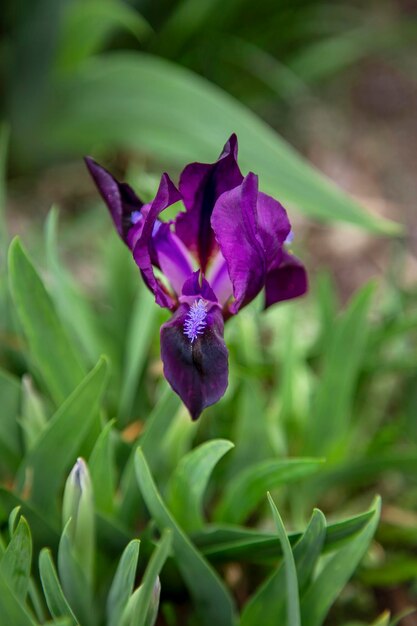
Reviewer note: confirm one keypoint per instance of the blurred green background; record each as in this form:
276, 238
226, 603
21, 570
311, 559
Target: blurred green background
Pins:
323, 98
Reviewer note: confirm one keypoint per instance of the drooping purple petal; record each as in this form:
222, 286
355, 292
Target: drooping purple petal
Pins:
144, 249
200, 185
286, 281
124, 205
194, 355
273, 226
234, 221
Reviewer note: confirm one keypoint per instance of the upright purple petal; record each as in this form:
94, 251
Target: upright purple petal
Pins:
124, 205
171, 256
144, 250
200, 185
234, 221
219, 279
197, 287
286, 281
194, 355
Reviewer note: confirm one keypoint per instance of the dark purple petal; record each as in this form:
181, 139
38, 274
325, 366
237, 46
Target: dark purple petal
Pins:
234, 221
200, 185
273, 226
144, 251
196, 370
286, 281
124, 205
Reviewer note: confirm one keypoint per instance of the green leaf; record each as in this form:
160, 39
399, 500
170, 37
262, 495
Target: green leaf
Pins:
245, 491
123, 583
140, 604
212, 600
16, 561
102, 471
112, 533
292, 595
36, 601
156, 426
65, 432
10, 448
138, 340
55, 598
397, 569
73, 307
344, 353
267, 605
181, 117
233, 543
336, 572
249, 436
361, 471
74, 581
42, 527
331, 55
33, 418
50, 347
189, 481
158, 423
90, 23
12, 611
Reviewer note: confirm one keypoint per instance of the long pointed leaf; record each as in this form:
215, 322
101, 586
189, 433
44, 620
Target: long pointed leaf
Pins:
243, 493
123, 582
65, 433
16, 562
179, 117
292, 596
50, 347
336, 572
55, 598
189, 482
212, 600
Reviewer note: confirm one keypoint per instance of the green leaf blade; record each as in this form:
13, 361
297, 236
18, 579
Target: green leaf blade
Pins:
16, 561
54, 595
123, 583
213, 603
162, 120
244, 492
189, 481
292, 597
336, 572
65, 432
50, 347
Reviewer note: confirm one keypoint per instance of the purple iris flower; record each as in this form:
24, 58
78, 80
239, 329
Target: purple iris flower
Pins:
213, 259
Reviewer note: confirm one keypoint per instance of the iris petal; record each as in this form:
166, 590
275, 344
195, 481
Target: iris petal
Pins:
172, 257
274, 227
120, 198
234, 222
286, 281
197, 370
144, 249
219, 279
200, 186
